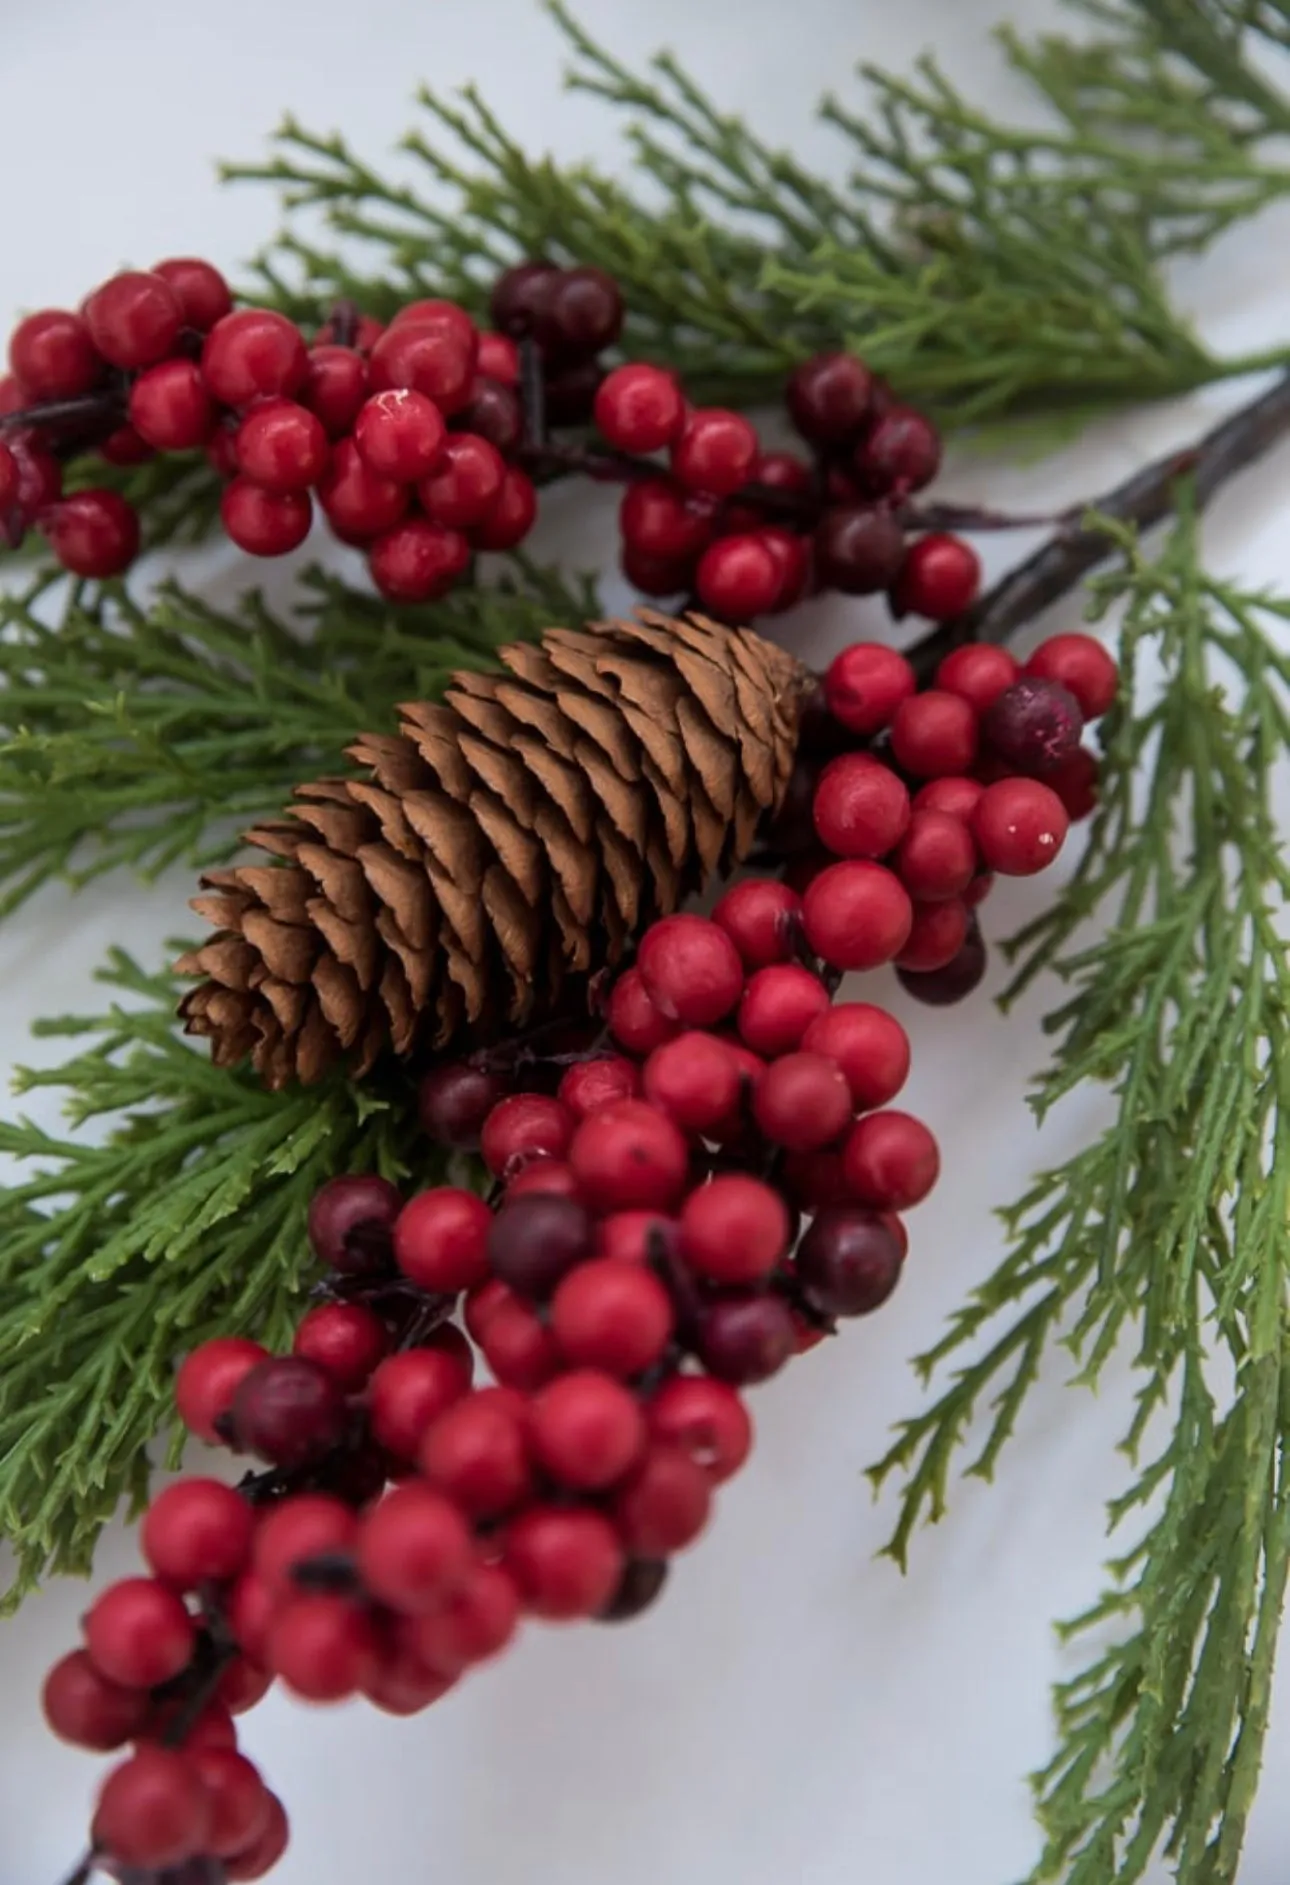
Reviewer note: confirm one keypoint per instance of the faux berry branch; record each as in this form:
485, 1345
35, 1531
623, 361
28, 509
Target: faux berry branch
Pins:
468, 941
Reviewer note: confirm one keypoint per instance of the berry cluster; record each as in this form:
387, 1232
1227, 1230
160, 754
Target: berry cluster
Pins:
422, 442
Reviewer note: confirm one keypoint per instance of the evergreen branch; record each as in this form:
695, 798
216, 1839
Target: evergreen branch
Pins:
1170, 1230
185, 1221
138, 735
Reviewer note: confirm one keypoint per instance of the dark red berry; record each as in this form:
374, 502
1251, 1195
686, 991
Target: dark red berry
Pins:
40, 475
153, 1811
664, 1505
937, 857
521, 296
640, 1586
858, 549
1020, 826
715, 452
938, 932
197, 1531
1076, 784
856, 915
581, 314
691, 970
940, 988
746, 1339
346, 1339
125, 447
427, 358
792, 558
203, 294
640, 408
254, 354
660, 521
417, 560
848, 1262
571, 393
533, 1241
891, 1160
979, 671
53, 355
525, 1126
651, 575
83, 1707
635, 1020
289, 1412
263, 1855
630, 1157
934, 733
238, 1798
566, 1563
170, 406
139, 1634
10, 478
738, 578
134, 320
282, 446
777, 1007
265, 523
802, 1102
466, 484
350, 1223
706, 1419
829, 396
93, 533
209, 1378
901, 454
494, 414
866, 683
358, 504
939, 578
512, 515
1034, 726
335, 388
441, 1240
612, 1316
1082, 666
454, 1100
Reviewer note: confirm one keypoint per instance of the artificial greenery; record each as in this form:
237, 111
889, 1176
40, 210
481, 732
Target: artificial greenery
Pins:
1014, 277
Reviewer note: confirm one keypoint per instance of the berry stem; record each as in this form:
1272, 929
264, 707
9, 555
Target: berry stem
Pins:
343, 323
1078, 546
91, 412
533, 401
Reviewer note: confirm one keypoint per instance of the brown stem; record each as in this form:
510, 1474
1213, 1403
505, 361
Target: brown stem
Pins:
1077, 547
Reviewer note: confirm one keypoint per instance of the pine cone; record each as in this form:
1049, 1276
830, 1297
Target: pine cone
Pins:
509, 843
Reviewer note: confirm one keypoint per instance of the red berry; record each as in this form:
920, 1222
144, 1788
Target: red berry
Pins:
635, 1236
93, 533
865, 684
566, 1563
426, 357
153, 1811
802, 1102
938, 932
586, 1429
83, 1707
441, 1240
635, 1021
734, 1229
242, 1685
495, 414
209, 1378
499, 359
306, 1525
265, 523
414, 1549
640, 408
547, 1175
170, 407
691, 969
417, 560
630, 1157
901, 454
446, 317
891, 1160
664, 1505
704, 1418
197, 1532
760, 916
238, 1798
813, 1181
660, 521
1020, 826
1076, 784
715, 451
475, 1453
125, 447
53, 356
858, 549
511, 517
335, 387
518, 1346
350, 1223
139, 1634
694, 1080
9, 478
400, 434
792, 561
282, 446
346, 1339
134, 319
1082, 666
534, 1240
466, 484
289, 1412
746, 1339
856, 915
612, 1316
738, 577
937, 857
591, 1084
979, 672
958, 797
778, 1006
868, 1044
939, 578
323, 1648
861, 808
653, 577
358, 504
525, 1126
848, 1262
475, 1623
933, 734
254, 354
201, 291
213, 1728
263, 1855
40, 475
408, 1393
829, 396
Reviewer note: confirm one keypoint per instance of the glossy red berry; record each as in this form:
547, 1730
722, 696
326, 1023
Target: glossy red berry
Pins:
858, 549
476, 1454
139, 1634
936, 858
53, 356
848, 1262
170, 406
351, 1221
253, 354
612, 1316
691, 969
715, 451
630, 1157
289, 1412
209, 1378
400, 434
499, 359
934, 733
512, 515
891, 1160
335, 387
566, 1563
939, 578
82, 1706
265, 523
979, 672
304, 1526
282, 445
550, 1176
746, 1339
1080, 664
134, 320
261, 1857
861, 809
704, 1418
346, 1339
590, 1085
358, 504
829, 397
869, 1046
664, 1505
323, 1648
203, 294
414, 1549
660, 520
639, 408
466, 483
760, 915
738, 577
900, 455
197, 1532
417, 560
441, 1240
635, 1020
445, 317
865, 684
778, 1006
525, 1126
802, 1102
856, 915
428, 358
93, 533
734, 1229
938, 932
1020, 825
238, 1799
153, 1811
586, 1429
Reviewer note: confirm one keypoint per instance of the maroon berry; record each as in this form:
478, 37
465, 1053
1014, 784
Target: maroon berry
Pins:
695, 1080
203, 294
738, 578
938, 932
640, 1585
937, 858
254, 354
734, 1229
939, 578
512, 516
802, 1102
691, 969
1076, 784
1019, 826
301, 1527
400, 434
868, 1044
760, 915
861, 808
171, 408
238, 1799
664, 1505
979, 671
640, 408
346, 1339
858, 549
288, 1412
427, 358
933, 734
521, 296
525, 1126
40, 475
209, 1378
706, 1419
441, 1240
635, 1021
454, 1100
566, 1563
93, 533
417, 560
494, 414
476, 1453
592, 1084
865, 684
586, 1430
746, 1339
408, 1393
891, 1160
1082, 666
358, 504
265, 523
83, 1707
282, 446
335, 387
848, 1262
901, 454
612, 1316
153, 1811
792, 558
323, 1648
856, 915
53, 356
571, 393
10, 478
534, 1240
630, 1157
778, 1006
134, 319
580, 315
940, 988
1034, 726
414, 1549
124, 447
350, 1223
658, 520
466, 484
197, 1531
828, 397
139, 1634
263, 1855
715, 452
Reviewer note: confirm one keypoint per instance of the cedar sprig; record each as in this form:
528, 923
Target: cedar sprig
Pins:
1169, 1231
142, 732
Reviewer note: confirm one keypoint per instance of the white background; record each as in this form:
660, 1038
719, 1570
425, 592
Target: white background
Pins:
794, 1709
